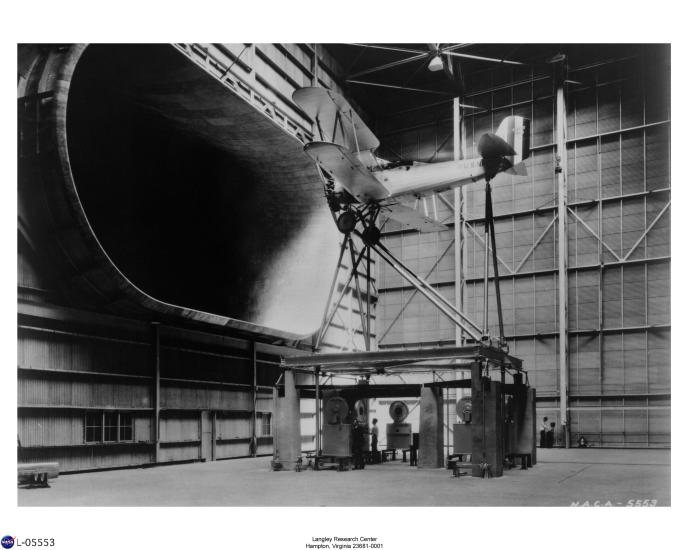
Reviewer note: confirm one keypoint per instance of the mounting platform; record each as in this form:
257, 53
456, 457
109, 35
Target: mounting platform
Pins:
410, 360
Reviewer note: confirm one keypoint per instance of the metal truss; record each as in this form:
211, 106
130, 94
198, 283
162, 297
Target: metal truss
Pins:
415, 292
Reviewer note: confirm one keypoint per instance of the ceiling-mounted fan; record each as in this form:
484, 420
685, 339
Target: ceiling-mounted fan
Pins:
436, 58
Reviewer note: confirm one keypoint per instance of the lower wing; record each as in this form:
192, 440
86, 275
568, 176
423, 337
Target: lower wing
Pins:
347, 169
410, 218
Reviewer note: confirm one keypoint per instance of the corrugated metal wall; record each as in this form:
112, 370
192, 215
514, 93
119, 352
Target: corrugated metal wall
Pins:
619, 284
69, 370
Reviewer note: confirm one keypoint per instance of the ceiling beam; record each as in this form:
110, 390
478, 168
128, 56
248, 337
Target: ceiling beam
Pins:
406, 88
389, 48
389, 65
481, 58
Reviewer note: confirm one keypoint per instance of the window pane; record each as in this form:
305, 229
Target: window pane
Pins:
125, 427
110, 431
94, 427
266, 425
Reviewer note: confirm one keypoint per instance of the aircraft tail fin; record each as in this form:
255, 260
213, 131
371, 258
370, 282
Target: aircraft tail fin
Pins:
515, 130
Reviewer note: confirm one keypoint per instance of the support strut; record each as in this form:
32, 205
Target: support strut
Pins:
489, 226
427, 290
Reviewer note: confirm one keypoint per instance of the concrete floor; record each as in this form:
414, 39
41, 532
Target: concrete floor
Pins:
560, 478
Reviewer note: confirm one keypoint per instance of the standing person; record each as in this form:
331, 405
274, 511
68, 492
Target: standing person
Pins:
357, 445
550, 435
374, 431
543, 433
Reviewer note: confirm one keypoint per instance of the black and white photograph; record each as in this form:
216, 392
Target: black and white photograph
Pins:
220, 259
371, 277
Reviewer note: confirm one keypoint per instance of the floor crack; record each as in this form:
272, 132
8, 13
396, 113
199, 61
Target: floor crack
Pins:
574, 473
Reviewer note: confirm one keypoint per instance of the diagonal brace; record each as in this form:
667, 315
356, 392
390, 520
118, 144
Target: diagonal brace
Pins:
592, 232
472, 229
649, 228
535, 244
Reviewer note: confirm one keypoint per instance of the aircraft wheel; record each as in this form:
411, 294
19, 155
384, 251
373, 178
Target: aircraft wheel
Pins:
371, 235
346, 222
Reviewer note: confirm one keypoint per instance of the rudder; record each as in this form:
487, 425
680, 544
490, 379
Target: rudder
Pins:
515, 130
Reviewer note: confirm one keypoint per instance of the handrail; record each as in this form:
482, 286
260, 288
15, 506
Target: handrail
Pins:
214, 66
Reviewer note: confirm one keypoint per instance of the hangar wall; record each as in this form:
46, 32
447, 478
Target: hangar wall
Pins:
100, 386
619, 284
91, 385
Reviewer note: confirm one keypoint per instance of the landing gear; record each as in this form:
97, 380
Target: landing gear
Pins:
371, 235
346, 222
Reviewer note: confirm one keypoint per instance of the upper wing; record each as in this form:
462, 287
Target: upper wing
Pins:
335, 118
347, 169
412, 219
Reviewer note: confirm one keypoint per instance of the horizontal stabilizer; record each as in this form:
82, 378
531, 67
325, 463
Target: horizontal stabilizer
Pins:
518, 170
412, 219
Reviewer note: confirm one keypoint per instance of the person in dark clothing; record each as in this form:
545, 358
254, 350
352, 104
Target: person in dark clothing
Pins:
374, 432
543, 433
357, 443
550, 435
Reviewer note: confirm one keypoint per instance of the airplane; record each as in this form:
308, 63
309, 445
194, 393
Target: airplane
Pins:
363, 185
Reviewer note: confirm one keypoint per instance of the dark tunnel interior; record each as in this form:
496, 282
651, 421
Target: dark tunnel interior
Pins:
186, 219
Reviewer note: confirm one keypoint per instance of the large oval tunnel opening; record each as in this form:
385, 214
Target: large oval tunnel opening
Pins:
198, 199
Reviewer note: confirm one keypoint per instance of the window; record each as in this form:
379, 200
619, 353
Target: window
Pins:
266, 424
126, 428
108, 427
94, 427
110, 430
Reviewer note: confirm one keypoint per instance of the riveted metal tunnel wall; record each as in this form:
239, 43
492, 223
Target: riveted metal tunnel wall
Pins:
161, 193
149, 191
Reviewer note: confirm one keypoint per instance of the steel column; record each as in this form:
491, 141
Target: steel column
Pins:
317, 412
459, 209
562, 209
459, 232
254, 412
156, 389
368, 289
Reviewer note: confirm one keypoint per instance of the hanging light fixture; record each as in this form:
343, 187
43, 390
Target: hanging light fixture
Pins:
436, 63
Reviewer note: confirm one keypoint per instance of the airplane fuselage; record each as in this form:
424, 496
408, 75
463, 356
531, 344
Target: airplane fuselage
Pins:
423, 179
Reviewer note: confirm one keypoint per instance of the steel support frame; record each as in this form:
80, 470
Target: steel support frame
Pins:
318, 444
486, 244
415, 292
562, 233
420, 284
459, 212
156, 390
329, 313
327, 361
254, 396
541, 209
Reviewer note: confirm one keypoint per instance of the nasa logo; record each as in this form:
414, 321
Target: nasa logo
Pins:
7, 541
